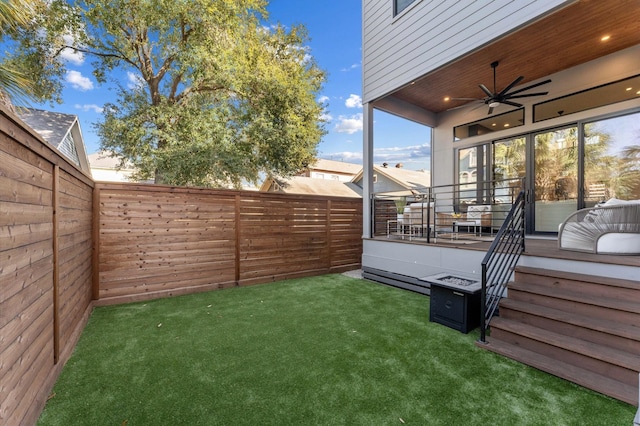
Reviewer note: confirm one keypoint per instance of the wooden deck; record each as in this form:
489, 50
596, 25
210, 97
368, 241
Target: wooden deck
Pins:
549, 248
534, 246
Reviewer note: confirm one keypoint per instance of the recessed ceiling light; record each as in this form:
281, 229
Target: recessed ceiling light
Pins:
605, 38
506, 125
628, 89
638, 92
447, 99
493, 125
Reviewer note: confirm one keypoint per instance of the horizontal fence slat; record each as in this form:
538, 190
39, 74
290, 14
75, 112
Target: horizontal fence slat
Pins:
150, 236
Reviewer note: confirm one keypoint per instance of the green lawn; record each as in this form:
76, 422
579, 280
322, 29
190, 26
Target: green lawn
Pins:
329, 350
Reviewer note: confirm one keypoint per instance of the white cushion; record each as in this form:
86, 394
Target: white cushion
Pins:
617, 202
619, 243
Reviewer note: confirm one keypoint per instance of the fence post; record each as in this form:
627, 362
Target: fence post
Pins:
237, 229
328, 234
56, 263
95, 258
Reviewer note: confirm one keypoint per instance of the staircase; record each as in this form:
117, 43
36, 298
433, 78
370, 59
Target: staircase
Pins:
582, 328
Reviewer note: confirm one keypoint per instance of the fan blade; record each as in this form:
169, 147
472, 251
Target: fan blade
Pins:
511, 103
524, 89
466, 104
526, 95
509, 87
485, 90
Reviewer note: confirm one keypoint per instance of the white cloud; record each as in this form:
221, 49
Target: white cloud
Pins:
89, 107
323, 99
346, 156
351, 68
416, 157
135, 81
349, 124
327, 118
416, 154
70, 55
78, 81
353, 101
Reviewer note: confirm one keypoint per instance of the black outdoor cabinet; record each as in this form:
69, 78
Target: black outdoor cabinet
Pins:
455, 306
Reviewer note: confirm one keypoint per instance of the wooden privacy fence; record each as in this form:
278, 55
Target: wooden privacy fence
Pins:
45, 267
67, 244
157, 241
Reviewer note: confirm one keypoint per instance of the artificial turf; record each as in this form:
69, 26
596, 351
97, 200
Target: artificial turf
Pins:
329, 350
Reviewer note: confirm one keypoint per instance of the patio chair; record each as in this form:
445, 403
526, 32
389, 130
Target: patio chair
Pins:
610, 228
419, 218
479, 216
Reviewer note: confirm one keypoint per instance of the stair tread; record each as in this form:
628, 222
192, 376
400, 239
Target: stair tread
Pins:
585, 378
592, 350
608, 281
627, 331
558, 293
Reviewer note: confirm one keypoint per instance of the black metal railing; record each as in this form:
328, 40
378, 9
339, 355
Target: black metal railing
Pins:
425, 214
499, 262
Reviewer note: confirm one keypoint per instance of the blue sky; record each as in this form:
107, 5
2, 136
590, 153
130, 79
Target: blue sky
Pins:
335, 32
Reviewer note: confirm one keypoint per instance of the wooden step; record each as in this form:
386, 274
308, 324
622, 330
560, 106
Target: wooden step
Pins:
580, 376
625, 337
580, 283
618, 310
558, 278
616, 364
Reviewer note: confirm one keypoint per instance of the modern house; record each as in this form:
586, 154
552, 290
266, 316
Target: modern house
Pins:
545, 93
62, 131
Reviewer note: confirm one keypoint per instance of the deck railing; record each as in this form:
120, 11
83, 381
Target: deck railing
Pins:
500, 261
425, 214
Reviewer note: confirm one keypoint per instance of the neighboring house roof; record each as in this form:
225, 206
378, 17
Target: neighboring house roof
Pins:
62, 131
310, 186
332, 166
403, 178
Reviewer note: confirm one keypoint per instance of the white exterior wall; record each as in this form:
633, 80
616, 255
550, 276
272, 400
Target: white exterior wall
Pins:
418, 261
111, 175
433, 33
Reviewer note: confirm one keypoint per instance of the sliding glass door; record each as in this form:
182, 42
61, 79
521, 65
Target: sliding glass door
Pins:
564, 169
555, 177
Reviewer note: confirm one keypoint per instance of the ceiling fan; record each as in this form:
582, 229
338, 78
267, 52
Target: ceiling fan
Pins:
496, 98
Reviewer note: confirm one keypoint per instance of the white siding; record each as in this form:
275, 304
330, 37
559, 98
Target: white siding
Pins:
432, 33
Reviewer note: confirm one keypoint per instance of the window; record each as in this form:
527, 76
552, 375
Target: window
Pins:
400, 5
492, 124
607, 94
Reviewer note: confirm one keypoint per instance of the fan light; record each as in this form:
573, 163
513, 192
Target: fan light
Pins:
494, 104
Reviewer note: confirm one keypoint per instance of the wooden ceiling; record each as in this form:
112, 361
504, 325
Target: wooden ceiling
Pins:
564, 39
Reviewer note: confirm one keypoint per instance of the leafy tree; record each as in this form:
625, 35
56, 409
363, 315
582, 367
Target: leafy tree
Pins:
35, 32
218, 98
14, 15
